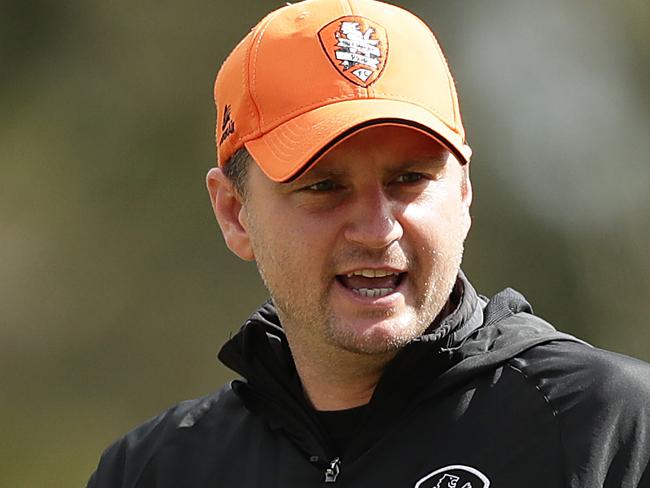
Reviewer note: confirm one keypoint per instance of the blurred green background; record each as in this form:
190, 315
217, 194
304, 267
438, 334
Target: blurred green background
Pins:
116, 288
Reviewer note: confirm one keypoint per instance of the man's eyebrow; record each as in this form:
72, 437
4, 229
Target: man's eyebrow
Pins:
317, 173
314, 174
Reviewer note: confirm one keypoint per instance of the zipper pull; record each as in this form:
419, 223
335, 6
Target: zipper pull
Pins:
332, 472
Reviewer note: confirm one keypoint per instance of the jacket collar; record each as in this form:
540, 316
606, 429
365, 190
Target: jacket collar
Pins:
260, 348
477, 336
261, 354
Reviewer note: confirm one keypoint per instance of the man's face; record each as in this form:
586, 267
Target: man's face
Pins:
361, 252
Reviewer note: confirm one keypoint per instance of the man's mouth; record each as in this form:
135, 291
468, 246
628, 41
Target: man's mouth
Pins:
372, 283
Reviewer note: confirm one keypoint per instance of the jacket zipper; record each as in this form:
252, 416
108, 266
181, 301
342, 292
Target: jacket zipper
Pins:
332, 471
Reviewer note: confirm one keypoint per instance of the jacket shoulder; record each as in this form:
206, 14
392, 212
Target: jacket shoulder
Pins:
601, 400
123, 461
572, 372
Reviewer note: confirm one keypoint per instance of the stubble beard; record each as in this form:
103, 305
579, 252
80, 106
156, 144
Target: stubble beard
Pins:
316, 326
399, 330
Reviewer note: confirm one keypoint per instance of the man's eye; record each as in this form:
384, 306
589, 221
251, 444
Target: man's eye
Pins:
322, 186
410, 178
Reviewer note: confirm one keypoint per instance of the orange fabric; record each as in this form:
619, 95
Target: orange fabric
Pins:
310, 72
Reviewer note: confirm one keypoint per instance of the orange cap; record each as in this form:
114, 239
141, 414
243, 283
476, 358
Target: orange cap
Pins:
311, 73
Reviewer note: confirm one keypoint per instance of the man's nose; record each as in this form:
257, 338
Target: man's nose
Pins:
372, 222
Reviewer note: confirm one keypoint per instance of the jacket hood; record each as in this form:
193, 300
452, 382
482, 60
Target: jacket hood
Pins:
477, 336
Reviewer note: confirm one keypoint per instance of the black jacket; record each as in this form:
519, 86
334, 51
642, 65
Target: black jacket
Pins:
493, 396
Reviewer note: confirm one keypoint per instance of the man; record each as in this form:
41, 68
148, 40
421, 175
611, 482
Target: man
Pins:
343, 171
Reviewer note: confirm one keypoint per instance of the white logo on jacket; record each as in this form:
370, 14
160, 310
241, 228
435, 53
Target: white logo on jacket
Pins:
455, 476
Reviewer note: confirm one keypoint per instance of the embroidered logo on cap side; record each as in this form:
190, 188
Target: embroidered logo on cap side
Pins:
227, 124
357, 47
457, 476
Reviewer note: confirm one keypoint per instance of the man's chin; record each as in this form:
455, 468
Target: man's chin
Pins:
373, 335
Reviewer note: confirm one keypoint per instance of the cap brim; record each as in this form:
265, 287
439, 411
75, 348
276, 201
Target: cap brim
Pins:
292, 147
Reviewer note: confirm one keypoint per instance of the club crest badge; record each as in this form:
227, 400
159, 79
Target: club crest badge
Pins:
357, 47
457, 476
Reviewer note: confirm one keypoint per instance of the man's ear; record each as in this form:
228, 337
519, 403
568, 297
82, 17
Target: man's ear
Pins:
229, 210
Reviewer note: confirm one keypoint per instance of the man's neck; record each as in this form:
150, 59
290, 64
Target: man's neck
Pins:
344, 381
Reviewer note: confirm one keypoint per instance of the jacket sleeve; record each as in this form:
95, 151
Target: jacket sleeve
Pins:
607, 439
110, 472
602, 402
122, 463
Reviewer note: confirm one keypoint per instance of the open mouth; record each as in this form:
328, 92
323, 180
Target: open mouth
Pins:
372, 283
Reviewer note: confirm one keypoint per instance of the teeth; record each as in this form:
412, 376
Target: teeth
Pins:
372, 273
373, 292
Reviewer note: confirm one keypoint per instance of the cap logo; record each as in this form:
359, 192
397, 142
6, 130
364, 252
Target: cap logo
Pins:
357, 47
